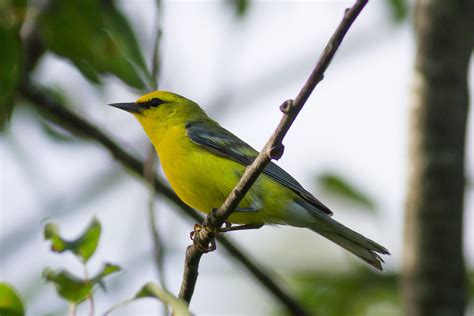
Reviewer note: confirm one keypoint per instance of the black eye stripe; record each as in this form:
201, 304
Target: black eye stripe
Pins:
153, 103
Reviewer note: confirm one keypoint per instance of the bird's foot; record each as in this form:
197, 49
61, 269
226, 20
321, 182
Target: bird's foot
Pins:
203, 235
203, 238
196, 228
227, 226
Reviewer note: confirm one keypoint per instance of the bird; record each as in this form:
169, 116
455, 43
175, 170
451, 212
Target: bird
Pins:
203, 162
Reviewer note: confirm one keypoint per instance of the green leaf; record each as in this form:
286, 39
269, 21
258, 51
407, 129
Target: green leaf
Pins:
399, 9
179, 306
10, 301
68, 286
122, 34
240, 6
96, 37
341, 188
359, 292
73, 288
109, 268
12, 13
83, 247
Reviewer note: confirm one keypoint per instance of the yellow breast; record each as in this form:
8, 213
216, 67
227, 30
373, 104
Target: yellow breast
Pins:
203, 180
200, 178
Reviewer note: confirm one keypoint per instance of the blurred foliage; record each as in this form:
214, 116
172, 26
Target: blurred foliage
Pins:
399, 9
470, 285
340, 187
10, 302
83, 247
60, 131
59, 206
352, 293
358, 292
96, 37
178, 306
240, 6
70, 287
74, 289
12, 14
57, 134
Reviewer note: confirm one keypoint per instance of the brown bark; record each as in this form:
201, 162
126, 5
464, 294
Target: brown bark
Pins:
434, 281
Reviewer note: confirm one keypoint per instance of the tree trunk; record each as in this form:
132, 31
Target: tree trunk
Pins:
434, 280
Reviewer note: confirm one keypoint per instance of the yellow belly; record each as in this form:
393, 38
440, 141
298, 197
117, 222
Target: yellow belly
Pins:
203, 180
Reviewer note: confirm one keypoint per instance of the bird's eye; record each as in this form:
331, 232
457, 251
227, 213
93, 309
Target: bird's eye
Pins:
155, 102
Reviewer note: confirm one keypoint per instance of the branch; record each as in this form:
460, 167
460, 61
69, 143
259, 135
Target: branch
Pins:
273, 149
158, 246
156, 60
57, 113
149, 169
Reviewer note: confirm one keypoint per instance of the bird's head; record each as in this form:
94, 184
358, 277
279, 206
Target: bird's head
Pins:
160, 109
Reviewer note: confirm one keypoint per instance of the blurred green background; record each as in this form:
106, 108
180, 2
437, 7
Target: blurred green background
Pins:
239, 60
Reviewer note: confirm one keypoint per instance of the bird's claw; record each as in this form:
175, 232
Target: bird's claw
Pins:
203, 235
197, 238
196, 228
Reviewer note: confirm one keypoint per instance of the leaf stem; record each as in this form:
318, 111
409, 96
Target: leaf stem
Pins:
72, 309
91, 296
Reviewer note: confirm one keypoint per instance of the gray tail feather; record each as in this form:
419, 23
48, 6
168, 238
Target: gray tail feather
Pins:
350, 240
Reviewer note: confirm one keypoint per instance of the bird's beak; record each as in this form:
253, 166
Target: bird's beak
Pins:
129, 107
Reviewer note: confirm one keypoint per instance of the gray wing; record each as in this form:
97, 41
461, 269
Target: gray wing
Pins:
223, 143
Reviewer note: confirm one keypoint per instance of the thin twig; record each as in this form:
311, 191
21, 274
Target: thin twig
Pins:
273, 149
149, 166
158, 247
156, 60
72, 307
91, 295
118, 305
57, 113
